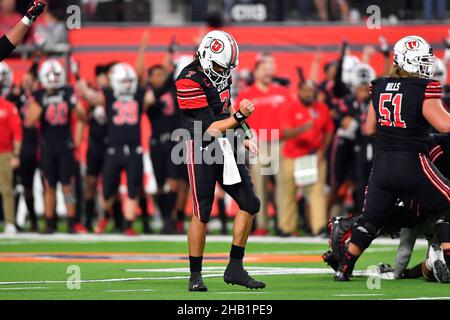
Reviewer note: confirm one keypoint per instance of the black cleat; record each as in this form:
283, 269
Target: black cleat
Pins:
441, 272
341, 276
331, 260
196, 284
238, 275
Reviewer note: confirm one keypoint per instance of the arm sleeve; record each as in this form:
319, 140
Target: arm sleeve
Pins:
15, 123
433, 90
190, 94
6, 47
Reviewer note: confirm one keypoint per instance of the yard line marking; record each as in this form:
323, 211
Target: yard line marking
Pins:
358, 294
425, 298
137, 290
24, 288
253, 271
251, 292
74, 238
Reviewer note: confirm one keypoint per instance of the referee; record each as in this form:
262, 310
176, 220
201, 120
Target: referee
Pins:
10, 40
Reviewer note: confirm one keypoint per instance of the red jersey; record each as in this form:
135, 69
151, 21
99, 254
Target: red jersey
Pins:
10, 126
269, 107
309, 141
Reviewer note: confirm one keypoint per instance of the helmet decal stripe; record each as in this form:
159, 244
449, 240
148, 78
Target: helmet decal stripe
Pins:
233, 49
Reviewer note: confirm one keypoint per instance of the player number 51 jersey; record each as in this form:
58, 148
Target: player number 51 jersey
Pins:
398, 103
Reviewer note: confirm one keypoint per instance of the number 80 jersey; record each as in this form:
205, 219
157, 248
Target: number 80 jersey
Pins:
398, 103
56, 114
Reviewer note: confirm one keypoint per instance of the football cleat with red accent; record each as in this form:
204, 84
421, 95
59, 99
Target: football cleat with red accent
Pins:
130, 232
78, 228
260, 232
101, 227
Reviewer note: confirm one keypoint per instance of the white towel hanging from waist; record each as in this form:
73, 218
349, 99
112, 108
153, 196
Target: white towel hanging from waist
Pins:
230, 169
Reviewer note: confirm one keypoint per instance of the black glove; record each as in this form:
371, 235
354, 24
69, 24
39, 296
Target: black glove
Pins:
384, 47
173, 46
35, 10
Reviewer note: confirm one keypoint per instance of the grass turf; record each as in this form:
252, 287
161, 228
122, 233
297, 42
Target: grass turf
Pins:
286, 286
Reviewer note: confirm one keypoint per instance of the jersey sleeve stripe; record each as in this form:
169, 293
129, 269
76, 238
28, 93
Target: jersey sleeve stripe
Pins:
195, 97
190, 94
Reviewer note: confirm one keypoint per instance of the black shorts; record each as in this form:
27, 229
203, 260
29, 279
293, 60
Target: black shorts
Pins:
203, 178
95, 157
405, 173
342, 158
28, 165
57, 164
162, 163
120, 158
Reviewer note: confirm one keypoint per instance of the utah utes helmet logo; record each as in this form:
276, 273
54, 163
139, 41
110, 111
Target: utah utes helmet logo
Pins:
217, 46
412, 45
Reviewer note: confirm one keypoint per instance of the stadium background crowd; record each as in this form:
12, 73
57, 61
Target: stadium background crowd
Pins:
318, 113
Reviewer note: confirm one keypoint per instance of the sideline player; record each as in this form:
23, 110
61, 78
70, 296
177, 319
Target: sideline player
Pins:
52, 106
124, 104
203, 92
404, 105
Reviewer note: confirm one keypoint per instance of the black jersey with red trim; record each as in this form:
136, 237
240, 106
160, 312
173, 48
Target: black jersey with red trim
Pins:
19, 97
123, 115
165, 115
398, 104
57, 106
199, 100
440, 152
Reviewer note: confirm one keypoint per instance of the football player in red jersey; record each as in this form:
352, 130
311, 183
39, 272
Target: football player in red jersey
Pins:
203, 93
404, 107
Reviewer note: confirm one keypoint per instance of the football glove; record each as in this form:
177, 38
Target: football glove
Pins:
34, 11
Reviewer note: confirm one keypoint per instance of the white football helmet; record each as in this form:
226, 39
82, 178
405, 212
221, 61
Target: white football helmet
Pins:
6, 79
124, 81
414, 55
52, 74
440, 71
218, 47
348, 64
362, 74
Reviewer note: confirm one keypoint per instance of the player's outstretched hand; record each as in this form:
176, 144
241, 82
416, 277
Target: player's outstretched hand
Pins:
35, 10
246, 107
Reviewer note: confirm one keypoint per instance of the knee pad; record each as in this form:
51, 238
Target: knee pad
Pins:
252, 205
364, 233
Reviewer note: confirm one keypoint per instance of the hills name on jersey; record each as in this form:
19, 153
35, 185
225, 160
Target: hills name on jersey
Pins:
393, 86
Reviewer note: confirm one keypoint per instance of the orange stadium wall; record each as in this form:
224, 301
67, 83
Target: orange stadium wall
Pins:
292, 47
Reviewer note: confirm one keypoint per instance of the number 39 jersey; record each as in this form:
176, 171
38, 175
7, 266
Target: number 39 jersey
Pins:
124, 117
56, 115
199, 100
398, 103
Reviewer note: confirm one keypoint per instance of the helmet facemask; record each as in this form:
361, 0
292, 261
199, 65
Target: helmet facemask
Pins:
216, 77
